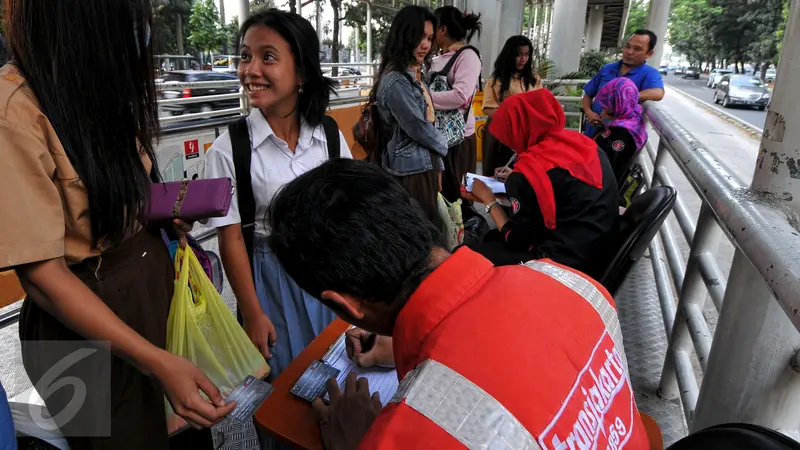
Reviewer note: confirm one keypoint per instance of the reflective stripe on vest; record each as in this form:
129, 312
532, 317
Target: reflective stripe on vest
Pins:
462, 408
470, 414
591, 294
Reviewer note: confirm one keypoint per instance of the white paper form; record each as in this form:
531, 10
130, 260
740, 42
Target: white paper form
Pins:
383, 380
498, 187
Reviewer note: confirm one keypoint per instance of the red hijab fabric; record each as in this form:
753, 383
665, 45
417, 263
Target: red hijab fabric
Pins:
532, 124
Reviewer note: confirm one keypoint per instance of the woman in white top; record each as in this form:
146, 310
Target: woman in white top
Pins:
280, 72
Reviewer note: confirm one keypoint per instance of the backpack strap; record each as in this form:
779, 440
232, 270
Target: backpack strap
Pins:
449, 66
242, 152
332, 136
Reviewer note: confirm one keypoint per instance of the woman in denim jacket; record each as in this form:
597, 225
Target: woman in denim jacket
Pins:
411, 148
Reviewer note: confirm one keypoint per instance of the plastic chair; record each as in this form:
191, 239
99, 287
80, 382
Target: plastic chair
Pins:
638, 226
736, 436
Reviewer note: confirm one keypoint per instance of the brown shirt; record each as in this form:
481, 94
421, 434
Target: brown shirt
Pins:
44, 204
491, 91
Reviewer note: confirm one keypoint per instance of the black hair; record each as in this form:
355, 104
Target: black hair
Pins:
298, 32
405, 34
349, 227
653, 39
106, 118
460, 26
505, 66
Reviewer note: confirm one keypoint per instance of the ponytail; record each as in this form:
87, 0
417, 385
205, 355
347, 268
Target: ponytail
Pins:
460, 26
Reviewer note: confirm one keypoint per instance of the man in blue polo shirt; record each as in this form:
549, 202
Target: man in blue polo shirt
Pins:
633, 65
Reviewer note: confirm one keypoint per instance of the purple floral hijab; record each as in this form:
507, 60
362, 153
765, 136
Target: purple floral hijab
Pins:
620, 96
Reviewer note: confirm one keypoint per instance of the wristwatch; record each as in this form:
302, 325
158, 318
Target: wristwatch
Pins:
489, 206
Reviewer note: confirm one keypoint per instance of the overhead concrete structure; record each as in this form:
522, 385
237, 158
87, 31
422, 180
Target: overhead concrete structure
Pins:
594, 27
615, 16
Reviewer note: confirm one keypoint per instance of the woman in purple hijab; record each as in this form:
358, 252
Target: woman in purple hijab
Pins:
624, 131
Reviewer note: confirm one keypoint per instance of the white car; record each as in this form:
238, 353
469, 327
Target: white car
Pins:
715, 76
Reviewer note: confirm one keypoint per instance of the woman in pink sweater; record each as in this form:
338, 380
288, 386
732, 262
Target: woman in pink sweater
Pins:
454, 30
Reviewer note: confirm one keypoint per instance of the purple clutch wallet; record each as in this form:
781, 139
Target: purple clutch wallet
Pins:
190, 201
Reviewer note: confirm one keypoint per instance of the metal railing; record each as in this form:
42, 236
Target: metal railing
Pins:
752, 223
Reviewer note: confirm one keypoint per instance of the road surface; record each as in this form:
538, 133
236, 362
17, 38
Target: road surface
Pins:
698, 89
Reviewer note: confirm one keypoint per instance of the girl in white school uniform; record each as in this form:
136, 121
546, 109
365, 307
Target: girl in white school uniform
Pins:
283, 137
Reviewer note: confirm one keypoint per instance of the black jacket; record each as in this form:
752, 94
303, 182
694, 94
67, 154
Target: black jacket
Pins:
587, 220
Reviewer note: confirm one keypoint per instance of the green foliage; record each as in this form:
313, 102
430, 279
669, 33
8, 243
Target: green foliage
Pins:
356, 16
205, 30
738, 31
165, 27
637, 16
257, 6
693, 30
592, 62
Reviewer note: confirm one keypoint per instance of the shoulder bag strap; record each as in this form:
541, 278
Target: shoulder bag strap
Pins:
242, 151
332, 136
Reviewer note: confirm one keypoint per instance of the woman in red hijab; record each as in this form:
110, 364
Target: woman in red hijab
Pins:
562, 190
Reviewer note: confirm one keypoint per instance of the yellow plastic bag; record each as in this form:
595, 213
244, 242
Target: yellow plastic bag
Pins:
452, 221
202, 329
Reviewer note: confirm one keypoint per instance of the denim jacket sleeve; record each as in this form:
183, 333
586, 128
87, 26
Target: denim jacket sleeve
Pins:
411, 119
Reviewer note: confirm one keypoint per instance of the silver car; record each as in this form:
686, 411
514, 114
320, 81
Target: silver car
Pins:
745, 90
715, 76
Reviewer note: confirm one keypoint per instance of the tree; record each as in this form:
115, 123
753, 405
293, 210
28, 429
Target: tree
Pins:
337, 9
766, 18
731, 33
356, 17
257, 6
637, 16
204, 28
691, 30
169, 33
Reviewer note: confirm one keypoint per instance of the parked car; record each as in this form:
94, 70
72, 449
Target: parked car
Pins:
680, 70
663, 70
745, 90
672, 68
345, 72
715, 76
195, 76
692, 72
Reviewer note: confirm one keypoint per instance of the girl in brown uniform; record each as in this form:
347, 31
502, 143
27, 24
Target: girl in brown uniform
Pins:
78, 117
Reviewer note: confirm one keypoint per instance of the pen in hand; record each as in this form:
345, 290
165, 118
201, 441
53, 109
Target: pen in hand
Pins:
508, 164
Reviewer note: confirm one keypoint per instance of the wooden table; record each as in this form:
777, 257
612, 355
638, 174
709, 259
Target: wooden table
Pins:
287, 416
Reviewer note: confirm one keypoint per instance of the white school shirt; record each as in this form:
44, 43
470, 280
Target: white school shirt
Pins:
272, 164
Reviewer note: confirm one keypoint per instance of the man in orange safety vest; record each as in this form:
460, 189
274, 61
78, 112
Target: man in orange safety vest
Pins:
516, 357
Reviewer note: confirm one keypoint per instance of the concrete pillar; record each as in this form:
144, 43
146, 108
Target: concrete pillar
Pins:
300, 7
501, 20
369, 38
244, 10
594, 28
535, 32
565, 49
548, 27
527, 30
752, 370
657, 18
